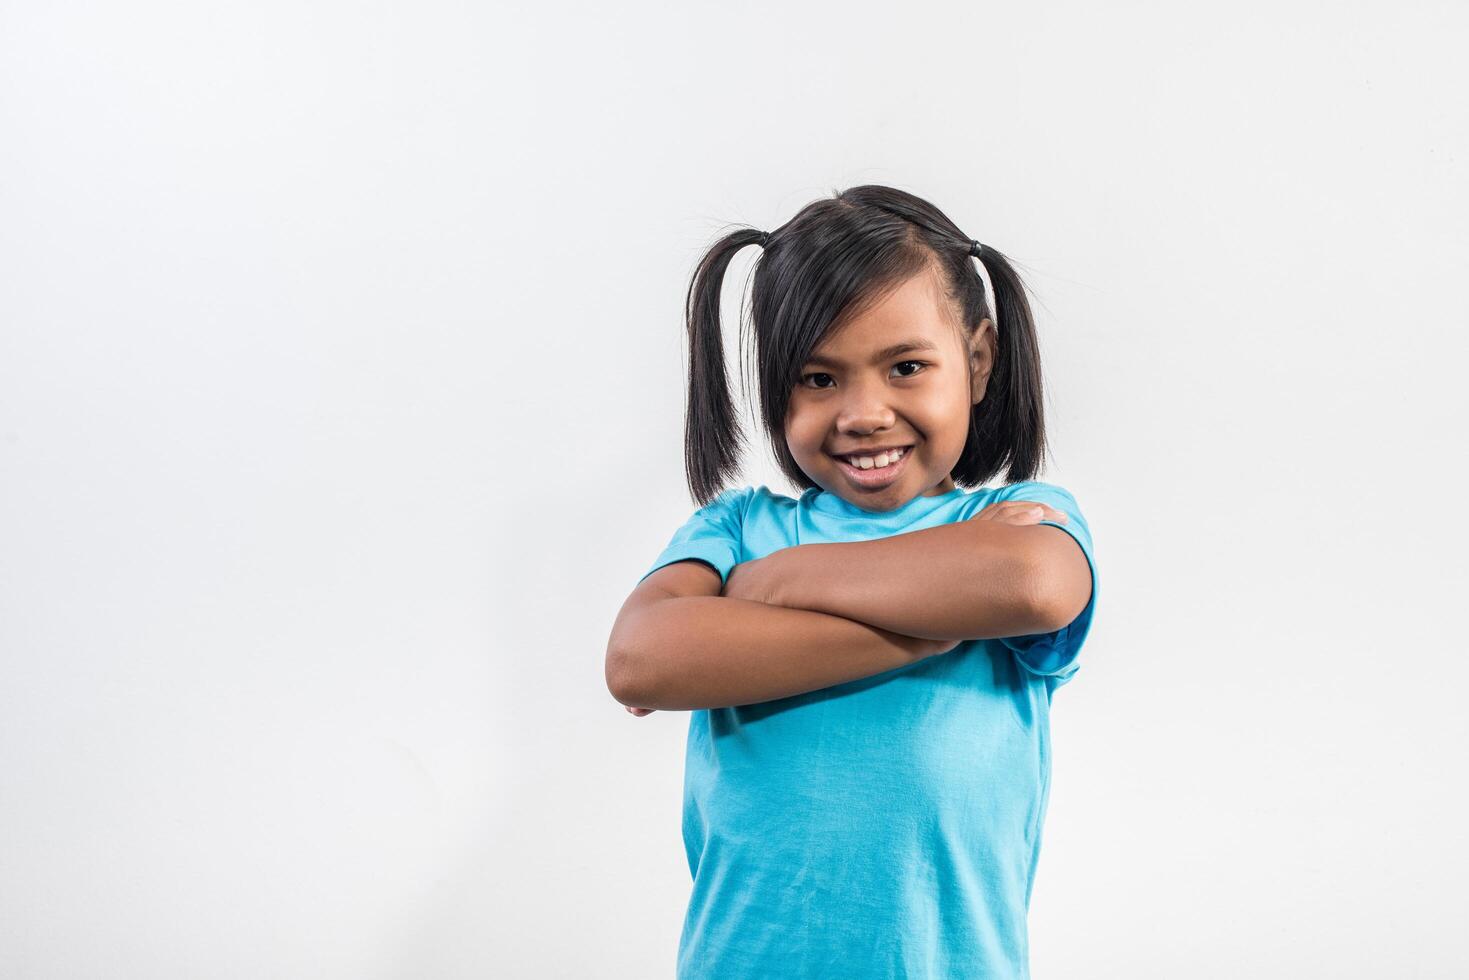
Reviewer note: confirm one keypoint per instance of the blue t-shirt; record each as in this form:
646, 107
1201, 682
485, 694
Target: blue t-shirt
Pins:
886, 827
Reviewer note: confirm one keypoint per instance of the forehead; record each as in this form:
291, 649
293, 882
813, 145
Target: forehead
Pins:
914, 315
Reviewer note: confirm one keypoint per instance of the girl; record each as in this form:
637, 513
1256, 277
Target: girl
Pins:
870, 664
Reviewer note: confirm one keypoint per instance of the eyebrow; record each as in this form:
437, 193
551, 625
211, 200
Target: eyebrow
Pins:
886, 353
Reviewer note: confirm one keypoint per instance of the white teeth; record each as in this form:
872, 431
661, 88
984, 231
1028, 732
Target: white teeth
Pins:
878, 461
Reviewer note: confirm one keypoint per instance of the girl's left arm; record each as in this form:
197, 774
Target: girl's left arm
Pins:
970, 580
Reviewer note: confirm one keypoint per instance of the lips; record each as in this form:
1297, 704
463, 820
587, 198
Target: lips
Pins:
876, 477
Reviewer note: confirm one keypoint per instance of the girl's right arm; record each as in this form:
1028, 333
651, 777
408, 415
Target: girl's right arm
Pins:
679, 645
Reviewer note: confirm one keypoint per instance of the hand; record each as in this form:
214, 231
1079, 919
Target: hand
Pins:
921, 647
1020, 512
639, 712
1017, 512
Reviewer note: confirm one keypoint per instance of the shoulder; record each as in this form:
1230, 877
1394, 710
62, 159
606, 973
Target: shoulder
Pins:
763, 500
1058, 497
743, 505
1054, 494
728, 503
1041, 492
1027, 489
769, 498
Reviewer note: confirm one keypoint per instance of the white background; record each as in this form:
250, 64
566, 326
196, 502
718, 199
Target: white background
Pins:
341, 389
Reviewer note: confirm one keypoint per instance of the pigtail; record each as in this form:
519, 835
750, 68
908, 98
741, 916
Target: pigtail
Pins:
1009, 424
713, 441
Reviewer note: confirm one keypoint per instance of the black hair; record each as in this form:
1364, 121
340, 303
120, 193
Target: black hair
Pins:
830, 261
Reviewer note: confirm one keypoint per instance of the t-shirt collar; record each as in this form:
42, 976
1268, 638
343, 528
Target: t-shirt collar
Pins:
826, 502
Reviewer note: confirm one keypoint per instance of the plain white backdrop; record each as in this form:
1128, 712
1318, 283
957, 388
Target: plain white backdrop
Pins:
341, 391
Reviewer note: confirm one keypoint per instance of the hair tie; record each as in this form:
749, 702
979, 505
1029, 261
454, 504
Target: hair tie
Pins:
764, 238
976, 250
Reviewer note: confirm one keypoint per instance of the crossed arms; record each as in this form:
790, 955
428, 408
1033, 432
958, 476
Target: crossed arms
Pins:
816, 615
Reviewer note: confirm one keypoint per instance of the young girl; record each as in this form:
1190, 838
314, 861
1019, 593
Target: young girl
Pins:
870, 665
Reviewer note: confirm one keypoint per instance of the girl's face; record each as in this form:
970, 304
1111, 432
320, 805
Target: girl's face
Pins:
899, 377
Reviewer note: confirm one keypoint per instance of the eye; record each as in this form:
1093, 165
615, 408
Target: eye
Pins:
820, 374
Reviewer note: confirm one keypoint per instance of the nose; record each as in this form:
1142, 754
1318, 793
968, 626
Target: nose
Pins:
865, 409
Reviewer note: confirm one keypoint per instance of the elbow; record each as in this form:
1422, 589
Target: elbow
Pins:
1056, 601
642, 662
619, 675
627, 677
1054, 614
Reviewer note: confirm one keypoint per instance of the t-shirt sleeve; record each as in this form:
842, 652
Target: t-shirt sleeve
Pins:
713, 535
1054, 654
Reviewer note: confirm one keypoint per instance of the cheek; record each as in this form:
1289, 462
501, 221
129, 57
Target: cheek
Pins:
800, 429
801, 443
944, 419
948, 401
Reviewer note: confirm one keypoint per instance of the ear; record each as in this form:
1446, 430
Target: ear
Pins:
981, 359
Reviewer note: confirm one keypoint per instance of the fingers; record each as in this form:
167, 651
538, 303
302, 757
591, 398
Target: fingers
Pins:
1030, 510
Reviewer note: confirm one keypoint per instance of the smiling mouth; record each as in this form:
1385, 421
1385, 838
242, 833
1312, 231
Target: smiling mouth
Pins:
874, 476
